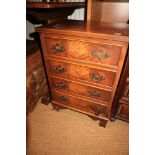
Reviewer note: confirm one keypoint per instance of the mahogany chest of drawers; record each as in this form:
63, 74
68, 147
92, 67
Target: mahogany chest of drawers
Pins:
84, 61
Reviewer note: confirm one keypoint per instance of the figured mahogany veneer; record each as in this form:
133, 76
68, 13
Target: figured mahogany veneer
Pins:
72, 87
80, 73
94, 52
84, 61
81, 103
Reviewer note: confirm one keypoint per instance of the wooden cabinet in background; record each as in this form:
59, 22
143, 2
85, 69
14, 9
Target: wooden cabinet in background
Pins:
108, 11
51, 12
120, 107
84, 61
36, 83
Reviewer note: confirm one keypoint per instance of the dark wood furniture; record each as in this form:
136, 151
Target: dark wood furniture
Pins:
42, 13
84, 61
51, 12
108, 10
121, 101
36, 84
114, 11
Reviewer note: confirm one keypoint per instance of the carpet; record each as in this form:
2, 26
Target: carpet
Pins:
71, 133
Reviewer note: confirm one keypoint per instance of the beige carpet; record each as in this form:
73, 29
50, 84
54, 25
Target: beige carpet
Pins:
70, 133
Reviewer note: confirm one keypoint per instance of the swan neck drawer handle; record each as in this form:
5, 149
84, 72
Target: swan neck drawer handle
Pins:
61, 85
62, 99
59, 69
96, 77
57, 48
100, 55
94, 94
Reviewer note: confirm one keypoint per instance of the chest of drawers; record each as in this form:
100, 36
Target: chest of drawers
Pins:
84, 61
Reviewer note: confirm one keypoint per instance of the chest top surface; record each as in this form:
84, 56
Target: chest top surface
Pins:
112, 31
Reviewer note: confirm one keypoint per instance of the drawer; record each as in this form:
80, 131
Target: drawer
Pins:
125, 91
79, 103
80, 89
80, 73
123, 111
88, 51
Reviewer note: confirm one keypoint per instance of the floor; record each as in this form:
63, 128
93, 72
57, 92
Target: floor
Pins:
71, 133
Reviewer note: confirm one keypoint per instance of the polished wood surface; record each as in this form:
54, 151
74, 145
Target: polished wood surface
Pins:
120, 107
108, 10
114, 11
76, 88
50, 12
110, 31
79, 80
73, 71
36, 84
81, 103
102, 53
123, 112
31, 5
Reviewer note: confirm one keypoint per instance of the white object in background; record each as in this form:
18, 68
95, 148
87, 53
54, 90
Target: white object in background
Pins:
78, 13
29, 29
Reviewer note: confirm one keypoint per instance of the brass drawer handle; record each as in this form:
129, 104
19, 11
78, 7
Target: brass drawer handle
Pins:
100, 55
94, 94
62, 99
60, 69
61, 85
57, 48
97, 111
96, 77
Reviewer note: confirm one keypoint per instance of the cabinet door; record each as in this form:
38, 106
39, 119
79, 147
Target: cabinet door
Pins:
108, 11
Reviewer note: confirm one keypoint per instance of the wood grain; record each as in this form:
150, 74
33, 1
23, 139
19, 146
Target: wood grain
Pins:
81, 73
87, 51
31, 5
92, 93
67, 49
80, 103
110, 31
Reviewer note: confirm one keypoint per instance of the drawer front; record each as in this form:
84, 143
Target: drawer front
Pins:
125, 92
123, 111
79, 103
92, 52
83, 90
80, 73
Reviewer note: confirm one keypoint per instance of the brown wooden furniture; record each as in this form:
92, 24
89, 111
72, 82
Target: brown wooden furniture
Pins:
50, 12
108, 10
42, 13
36, 84
84, 61
114, 11
121, 101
